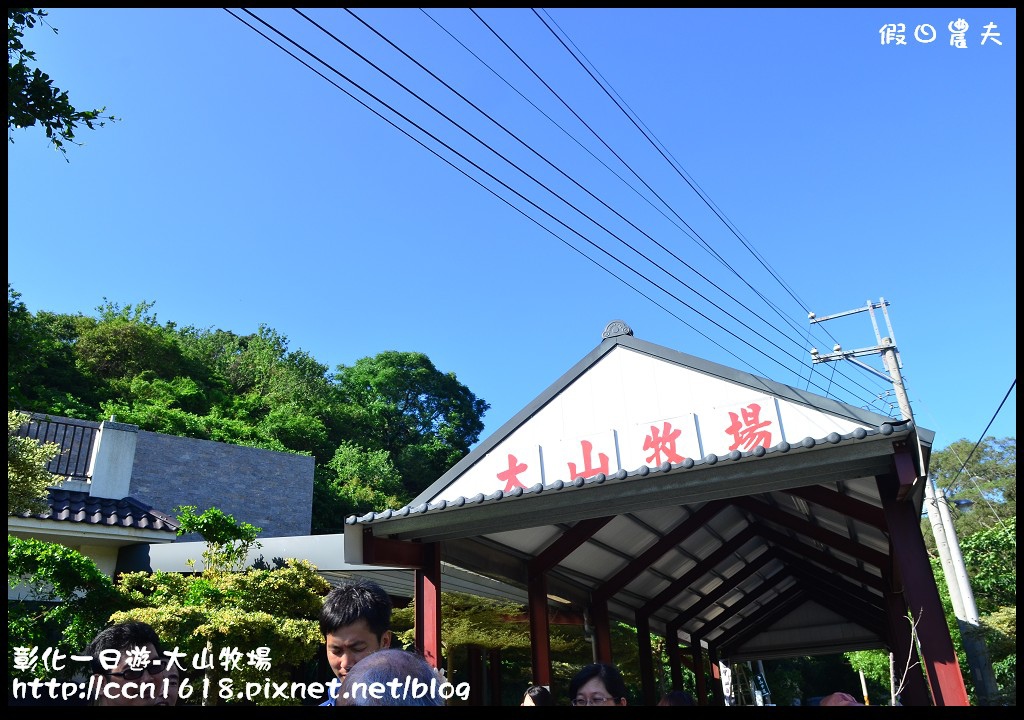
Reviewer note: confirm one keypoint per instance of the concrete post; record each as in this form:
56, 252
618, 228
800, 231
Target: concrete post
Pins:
112, 460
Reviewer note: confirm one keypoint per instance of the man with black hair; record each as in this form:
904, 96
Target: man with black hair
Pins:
128, 666
355, 621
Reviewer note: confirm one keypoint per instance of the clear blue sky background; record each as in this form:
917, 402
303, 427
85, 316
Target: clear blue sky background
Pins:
239, 188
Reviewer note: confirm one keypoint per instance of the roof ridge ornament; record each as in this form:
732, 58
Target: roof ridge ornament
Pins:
616, 328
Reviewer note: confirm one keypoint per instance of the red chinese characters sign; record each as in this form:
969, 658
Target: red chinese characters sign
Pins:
748, 429
739, 427
510, 476
662, 444
651, 444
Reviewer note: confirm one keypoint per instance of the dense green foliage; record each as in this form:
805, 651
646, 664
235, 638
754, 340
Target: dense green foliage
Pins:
381, 430
68, 601
980, 484
27, 476
425, 420
227, 540
802, 678
983, 492
215, 611
31, 96
355, 481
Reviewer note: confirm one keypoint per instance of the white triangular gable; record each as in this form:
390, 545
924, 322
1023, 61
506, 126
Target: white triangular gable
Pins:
631, 409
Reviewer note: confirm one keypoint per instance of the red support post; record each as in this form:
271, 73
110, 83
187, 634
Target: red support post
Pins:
428, 605
922, 596
646, 658
698, 670
674, 663
494, 675
602, 630
540, 641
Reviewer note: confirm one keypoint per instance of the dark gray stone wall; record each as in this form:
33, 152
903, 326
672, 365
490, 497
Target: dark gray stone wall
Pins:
271, 490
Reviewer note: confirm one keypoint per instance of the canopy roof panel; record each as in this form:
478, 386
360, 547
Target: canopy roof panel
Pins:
734, 511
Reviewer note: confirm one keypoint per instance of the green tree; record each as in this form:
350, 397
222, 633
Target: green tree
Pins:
31, 95
400, 402
227, 541
126, 341
979, 482
286, 396
67, 600
250, 390
225, 607
991, 559
804, 677
276, 609
875, 666
41, 372
354, 482
27, 476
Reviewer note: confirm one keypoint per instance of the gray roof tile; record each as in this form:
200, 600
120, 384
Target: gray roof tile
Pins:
75, 506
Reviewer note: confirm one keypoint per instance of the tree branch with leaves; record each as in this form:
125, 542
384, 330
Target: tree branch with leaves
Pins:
32, 97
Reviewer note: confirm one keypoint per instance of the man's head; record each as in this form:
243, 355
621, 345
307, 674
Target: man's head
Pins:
677, 697
128, 664
355, 621
839, 698
392, 677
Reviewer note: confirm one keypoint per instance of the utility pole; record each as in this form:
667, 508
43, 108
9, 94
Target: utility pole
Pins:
953, 567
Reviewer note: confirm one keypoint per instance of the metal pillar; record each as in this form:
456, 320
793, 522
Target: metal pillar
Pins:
957, 582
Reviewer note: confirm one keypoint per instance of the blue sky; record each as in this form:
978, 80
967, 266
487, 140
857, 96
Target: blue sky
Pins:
240, 188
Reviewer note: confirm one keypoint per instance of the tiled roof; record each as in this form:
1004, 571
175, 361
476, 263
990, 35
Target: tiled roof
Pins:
886, 429
76, 506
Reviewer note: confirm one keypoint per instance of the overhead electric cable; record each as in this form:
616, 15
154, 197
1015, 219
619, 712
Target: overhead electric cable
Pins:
477, 181
683, 228
982, 438
690, 231
441, 142
552, 192
557, 169
478, 167
684, 175
658, 145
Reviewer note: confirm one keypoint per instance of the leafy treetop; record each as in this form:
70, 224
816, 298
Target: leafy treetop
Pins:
31, 95
227, 541
27, 476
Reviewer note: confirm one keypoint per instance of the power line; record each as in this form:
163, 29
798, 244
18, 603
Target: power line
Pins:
982, 438
689, 231
509, 188
559, 170
456, 167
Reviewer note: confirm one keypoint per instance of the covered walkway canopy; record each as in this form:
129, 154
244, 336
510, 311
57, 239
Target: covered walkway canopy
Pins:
738, 517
